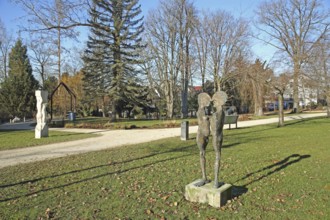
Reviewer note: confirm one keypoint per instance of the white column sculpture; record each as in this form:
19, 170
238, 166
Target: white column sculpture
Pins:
41, 129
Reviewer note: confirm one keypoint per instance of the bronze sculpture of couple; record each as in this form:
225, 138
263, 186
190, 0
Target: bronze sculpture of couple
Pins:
210, 116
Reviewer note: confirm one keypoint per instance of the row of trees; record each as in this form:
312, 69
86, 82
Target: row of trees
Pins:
186, 45
131, 61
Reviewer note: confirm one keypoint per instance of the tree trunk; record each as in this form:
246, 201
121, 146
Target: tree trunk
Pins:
280, 110
169, 96
186, 81
59, 54
184, 93
260, 110
328, 105
257, 97
218, 85
114, 111
203, 82
184, 101
103, 107
215, 78
5, 65
43, 76
169, 106
296, 70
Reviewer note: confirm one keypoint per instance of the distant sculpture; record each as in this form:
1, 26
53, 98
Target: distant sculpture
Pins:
41, 129
231, 110
210, 116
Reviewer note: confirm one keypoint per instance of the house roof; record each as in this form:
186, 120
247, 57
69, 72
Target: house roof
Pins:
197, 88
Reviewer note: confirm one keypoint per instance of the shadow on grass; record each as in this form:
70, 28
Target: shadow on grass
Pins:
286, 123
248, 132
278, 167
238, 191
297, 121
230, 145
85, 179
303, 120
182, 149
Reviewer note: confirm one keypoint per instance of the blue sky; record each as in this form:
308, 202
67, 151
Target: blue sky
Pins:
237, 7
10, 14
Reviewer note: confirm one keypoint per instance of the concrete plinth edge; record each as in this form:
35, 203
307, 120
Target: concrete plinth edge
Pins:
208, 194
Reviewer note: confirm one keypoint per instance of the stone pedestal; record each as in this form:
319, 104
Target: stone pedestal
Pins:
207, 194
184, 130
41, 131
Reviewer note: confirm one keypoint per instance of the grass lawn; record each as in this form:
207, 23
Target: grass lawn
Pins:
26, 138
277, 173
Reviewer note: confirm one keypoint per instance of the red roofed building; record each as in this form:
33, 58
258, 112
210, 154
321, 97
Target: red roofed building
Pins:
197, 88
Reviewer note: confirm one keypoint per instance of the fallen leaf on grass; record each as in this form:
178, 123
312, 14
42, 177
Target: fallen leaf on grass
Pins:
165, 197
152, 200
96, 211
280, 200
49, 214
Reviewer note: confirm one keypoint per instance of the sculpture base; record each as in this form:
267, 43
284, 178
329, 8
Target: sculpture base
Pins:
39, 133
208, 194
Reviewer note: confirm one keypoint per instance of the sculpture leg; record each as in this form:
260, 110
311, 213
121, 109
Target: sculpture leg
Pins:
217, 142
203, 163
202, 147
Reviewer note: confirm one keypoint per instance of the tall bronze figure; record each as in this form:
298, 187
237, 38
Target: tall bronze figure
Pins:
210, 120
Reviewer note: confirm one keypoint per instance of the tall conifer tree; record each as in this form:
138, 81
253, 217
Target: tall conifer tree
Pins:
113, 48
17, 91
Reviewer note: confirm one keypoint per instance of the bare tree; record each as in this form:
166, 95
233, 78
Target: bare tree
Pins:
318, 69
258, 73
169, 30
186, 16
73, 62
58, 17
55, 14
280, 85
294, 27
42, 56
161, 37
243, 93
220, 40
325, 71
5, 45
202, 44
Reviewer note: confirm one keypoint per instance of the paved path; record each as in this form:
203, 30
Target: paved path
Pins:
110, 139
18, 125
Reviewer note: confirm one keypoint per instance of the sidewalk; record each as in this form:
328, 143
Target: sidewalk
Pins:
111, 139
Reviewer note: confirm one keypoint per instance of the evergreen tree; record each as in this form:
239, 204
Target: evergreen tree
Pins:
95, 80
17, 91
113, 47
134, 96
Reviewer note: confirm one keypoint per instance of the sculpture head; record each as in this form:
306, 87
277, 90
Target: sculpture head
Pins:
219, 99
204, 100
